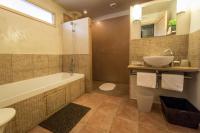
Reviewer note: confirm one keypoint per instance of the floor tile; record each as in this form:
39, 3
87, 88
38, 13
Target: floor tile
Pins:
151, 129
111, 114
78, 128
39, 129
87, 116
128, 110
89, 129
115, 100
108, 108
124, 126
100, 120
177, 129
194, 130
153, 118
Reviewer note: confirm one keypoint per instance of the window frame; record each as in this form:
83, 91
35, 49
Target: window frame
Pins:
30, 17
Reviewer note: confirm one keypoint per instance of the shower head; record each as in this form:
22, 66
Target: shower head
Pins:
73, 26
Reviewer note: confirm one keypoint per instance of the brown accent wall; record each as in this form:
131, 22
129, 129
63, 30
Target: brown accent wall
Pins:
111, 50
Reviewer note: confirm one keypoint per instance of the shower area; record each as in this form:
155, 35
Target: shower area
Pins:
77, 49
110, 46
100, 50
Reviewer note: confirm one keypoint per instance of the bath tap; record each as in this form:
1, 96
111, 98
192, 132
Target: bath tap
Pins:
72, 66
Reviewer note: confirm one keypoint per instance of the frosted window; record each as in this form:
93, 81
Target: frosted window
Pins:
30, 9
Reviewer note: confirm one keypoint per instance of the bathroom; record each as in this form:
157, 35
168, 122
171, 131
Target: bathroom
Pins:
115, 66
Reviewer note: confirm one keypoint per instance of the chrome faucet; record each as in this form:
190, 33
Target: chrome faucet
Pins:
168, 52
72, 65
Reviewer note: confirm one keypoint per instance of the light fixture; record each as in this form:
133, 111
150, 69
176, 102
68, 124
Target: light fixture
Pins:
98, 22
182, 6
136, 13
85, 12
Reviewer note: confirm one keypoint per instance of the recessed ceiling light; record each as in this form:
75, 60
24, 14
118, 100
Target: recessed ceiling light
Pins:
98, 22
113, 4
85, 11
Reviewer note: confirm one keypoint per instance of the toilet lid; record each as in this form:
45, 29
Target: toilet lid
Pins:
107, 87
6, 114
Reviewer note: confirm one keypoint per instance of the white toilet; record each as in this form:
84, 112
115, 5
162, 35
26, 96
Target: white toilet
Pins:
6, 115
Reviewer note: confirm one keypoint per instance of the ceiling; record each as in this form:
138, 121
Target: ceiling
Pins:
95, 8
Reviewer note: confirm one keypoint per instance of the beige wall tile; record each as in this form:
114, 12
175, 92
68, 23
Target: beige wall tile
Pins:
12, 125
55, 64
75, 90
156, 45
5, 75
66, 62
21, 62
41, 72
85, 67
83, 64
22, 75
55, 100
53, 70
18, 67
22, 67
5, 68
54, 60
82, 83
67, 92
5, 60
194, 49
40, 61
30, 112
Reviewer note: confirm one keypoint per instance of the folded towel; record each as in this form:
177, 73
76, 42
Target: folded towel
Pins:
172, 82
146, 79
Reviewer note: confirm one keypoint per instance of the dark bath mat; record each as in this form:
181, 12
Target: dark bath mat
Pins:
65, 119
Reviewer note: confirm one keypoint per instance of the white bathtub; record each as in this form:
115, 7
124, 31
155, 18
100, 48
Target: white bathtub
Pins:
18, 91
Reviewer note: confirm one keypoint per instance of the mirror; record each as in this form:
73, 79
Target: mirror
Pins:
158, 18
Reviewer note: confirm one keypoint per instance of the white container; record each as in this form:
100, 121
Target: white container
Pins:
145, 101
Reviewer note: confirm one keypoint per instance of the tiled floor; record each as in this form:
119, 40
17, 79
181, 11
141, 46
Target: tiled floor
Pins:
111, 114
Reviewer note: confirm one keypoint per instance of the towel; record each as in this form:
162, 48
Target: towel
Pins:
146, 79
172, 82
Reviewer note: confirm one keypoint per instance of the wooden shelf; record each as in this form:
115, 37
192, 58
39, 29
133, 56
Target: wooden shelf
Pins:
169, 69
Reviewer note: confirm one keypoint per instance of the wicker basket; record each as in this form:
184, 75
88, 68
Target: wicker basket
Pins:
179, 111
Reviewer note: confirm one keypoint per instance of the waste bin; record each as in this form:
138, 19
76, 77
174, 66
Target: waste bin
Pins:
145, 101
179, 111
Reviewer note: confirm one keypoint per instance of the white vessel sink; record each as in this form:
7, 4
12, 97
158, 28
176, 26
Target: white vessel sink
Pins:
158, 61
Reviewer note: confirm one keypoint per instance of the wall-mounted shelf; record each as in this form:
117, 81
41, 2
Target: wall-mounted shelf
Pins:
165, 69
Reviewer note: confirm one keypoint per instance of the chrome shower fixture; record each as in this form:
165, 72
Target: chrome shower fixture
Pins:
73, 26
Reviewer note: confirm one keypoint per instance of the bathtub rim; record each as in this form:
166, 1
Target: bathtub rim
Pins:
11, 100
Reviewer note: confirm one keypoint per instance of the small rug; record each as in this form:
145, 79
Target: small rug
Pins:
65, 119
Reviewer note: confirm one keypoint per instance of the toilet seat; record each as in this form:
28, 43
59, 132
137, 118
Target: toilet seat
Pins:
6, 114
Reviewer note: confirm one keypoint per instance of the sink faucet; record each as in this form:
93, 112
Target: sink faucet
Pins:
168, 52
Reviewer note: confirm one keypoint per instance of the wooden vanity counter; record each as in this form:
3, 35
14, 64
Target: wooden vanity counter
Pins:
164, 69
